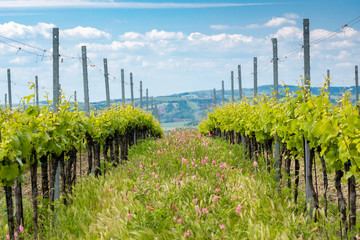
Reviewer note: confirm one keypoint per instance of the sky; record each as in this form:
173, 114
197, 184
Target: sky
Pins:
174, 46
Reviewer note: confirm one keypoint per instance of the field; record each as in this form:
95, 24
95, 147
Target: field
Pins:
186, 186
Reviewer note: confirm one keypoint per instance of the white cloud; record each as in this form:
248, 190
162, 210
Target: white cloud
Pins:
289, 34
274, 22
17, 30
83, 32
113, 4
161, 35
219, 27
19, 60
291, 15
278, 21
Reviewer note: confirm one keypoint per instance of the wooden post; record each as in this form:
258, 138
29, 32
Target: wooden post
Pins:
328, 82
275, 67
232, 86
223, 91
357, 84
276, 93
132, 90
123, 87
255, 77
56, 96
214, 98
240, 84
306, 32
141, 105
152, 106
5, 100
107, 89
36, 91
85, 79
147, 99
56, 82
9, 88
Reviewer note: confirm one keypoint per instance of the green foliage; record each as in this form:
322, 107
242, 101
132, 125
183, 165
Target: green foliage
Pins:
334, 129
30, 129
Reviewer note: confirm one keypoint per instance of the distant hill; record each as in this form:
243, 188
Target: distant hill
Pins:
189, 108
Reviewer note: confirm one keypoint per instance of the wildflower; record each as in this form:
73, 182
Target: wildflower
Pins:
255, 164
217, 175
187, 234
217, 189
187, 174
110, 189
235, 188
149, 207
204, 210
213, 162
193, 177
15, 235
232, 167
179, 220
21, 228
134, 190
281, 186
216, 197
230, 153
156, 176
222, 226
357, 236
175, 207
141, 166
129, 216
195, 200
180, 176
197, 209
203, 161
238, 209
222, 176
252, 176
179, 183
7, 236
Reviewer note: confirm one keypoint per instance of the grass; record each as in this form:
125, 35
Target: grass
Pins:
186, 186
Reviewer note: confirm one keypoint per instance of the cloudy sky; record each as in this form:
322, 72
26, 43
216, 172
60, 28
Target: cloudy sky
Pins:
174, 46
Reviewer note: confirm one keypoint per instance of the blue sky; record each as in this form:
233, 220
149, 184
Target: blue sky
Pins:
175, 46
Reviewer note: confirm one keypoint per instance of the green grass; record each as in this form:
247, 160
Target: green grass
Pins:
166, 179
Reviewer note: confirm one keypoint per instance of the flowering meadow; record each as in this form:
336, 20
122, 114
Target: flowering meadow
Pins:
184, 186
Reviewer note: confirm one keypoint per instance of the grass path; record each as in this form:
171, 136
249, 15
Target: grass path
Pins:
183, 186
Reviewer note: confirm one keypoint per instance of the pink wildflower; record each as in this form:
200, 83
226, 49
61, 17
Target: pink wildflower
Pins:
193, 177
217, 189
156, 176
238, 209
216, 197
213, 162
197, 209
179, 220
281, 186
129, 216
149, 207
222, 226
217, 175
255, 164
357, 236
222, 176
21, 228
180, 176
110, 189
204, 210
230, 153
7, 236
187, 234
195, 200
203, 161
